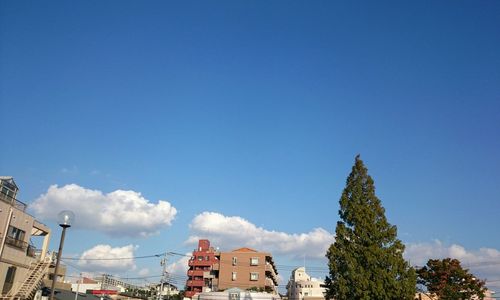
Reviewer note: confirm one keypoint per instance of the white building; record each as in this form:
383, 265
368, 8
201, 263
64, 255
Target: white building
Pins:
302, 287
84, 284
235, 294
168, 290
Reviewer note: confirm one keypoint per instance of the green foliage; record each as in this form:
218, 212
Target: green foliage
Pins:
448, 280
255, 289
366, 261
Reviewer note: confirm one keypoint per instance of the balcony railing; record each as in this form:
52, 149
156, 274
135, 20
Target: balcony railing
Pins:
22, 245
196, 283
200, 263
196, 272
13, 201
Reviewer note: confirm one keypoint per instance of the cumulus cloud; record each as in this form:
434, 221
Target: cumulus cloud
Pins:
119, 213
143, 272
179, 268
106, 259
482, 262
233, 232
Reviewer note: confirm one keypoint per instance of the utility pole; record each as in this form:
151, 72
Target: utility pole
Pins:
168, 285
78, 286
163, 264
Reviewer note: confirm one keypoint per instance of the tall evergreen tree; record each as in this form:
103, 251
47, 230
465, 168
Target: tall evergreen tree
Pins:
366, 260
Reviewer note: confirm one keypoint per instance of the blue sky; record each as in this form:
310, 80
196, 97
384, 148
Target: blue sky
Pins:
254, 111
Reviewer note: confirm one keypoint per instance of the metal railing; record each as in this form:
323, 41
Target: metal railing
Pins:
22, 245
12, 201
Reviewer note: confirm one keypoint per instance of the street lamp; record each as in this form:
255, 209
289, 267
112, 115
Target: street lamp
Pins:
64, 218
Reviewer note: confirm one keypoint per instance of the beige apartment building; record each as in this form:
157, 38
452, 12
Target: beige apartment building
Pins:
246, 268
302, 287
22, 266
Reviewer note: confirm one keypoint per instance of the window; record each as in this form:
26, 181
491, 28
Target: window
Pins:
16, 233
254, 276
235, 260
233, 276
254, 261
234, 296
200, 258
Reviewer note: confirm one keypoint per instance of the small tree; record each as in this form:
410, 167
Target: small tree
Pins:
366, 261
448, 280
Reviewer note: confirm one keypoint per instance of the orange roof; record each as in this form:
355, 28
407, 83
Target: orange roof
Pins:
244, 249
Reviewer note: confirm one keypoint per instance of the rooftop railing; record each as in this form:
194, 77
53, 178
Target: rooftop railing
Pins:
12, 201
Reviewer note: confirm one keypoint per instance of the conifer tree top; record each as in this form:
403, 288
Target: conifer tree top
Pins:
366, 260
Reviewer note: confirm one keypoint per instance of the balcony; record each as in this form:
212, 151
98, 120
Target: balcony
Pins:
198, 263
195, 283
271, 271
271, 283
12, 201
21, 245
196, 272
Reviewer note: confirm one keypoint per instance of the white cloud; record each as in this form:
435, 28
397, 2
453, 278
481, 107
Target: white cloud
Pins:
482, 262
70, 171
179, 268
104, 258
234, 232
119, 213
143, 272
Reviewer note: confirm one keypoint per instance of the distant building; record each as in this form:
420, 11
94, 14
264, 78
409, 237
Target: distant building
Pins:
109, 282
19, 259
488, 295
201, 272
243, 268
247, 268
84, 284
236, 294
166, 290
302, 287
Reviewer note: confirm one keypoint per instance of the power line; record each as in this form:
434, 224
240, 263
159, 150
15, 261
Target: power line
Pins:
115, 258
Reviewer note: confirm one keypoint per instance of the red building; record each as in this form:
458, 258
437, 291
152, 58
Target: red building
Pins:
201, 271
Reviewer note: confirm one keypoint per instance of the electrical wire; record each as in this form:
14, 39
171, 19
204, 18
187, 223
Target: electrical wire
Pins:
115, 258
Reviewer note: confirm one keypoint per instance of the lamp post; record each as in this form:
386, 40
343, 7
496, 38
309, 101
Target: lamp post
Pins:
64, 219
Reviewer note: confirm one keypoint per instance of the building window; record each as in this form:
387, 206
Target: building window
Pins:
15, 237
254, 261
233, 276
16, 233
235, 261
234, 296
200, 258
254, 276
